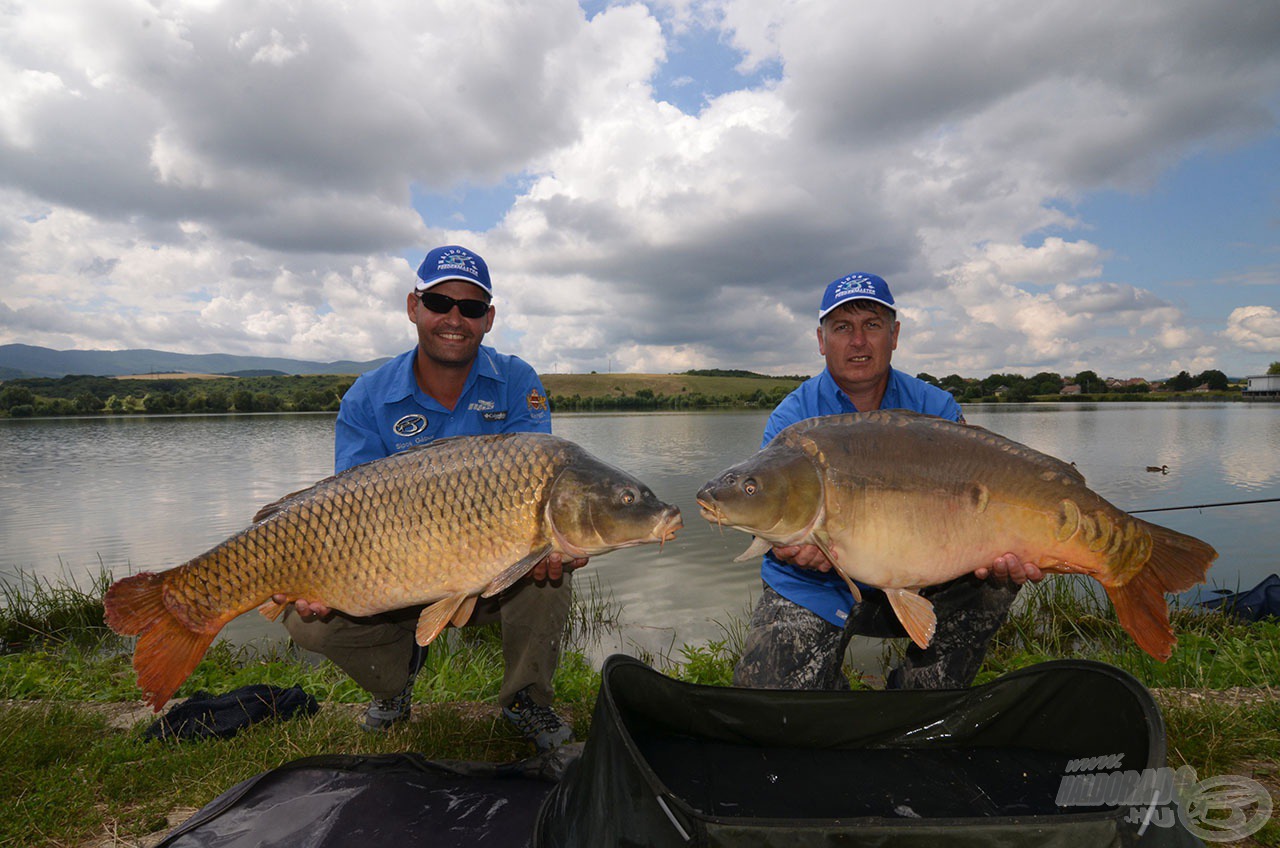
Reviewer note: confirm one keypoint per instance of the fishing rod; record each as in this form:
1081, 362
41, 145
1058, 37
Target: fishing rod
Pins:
1204, 506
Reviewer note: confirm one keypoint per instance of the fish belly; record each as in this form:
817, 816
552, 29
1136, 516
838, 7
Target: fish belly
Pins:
911, 538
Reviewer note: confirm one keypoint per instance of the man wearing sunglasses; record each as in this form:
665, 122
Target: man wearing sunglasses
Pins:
450, 384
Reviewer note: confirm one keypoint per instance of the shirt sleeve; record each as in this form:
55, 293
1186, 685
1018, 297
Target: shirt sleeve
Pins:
950, 409
355, 434
786, 413
528, 408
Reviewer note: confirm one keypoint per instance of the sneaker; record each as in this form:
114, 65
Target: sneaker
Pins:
537, 723
382, 713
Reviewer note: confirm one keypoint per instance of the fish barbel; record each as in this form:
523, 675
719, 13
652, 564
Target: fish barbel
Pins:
441, 525
901, 501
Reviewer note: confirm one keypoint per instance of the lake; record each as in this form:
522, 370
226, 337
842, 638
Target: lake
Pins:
147, 493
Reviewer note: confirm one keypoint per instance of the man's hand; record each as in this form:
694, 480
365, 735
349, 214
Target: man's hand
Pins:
1009, 567
307, 610
553, 566
805, 556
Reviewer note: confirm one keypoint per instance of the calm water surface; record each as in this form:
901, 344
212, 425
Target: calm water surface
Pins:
149, 493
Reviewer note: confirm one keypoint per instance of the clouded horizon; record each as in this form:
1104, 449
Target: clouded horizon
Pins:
656, 186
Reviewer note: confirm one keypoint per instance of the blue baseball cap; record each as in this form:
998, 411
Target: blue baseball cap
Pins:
452, 262
855, 287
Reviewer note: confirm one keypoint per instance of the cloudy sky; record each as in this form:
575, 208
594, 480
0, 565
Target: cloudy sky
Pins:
1058, 185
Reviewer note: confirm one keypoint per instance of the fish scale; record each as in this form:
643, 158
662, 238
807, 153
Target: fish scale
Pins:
902, 501
435, 525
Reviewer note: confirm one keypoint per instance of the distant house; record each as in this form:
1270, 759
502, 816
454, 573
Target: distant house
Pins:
1071, 389
1263, 385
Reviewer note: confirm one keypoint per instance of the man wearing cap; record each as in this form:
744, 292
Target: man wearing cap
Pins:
806, 615
448, 385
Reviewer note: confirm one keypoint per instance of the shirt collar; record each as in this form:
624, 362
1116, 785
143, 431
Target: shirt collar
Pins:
833, 391
403, 384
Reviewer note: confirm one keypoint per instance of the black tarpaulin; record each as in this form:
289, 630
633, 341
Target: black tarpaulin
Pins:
674, 764
1256, 604
337, 801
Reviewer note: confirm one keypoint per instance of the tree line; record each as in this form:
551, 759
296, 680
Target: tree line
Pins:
89, 395
1018, 388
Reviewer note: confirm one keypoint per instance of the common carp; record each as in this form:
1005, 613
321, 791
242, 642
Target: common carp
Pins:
441, 525
901, 501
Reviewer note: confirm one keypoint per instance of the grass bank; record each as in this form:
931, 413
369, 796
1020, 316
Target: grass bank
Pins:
81, 773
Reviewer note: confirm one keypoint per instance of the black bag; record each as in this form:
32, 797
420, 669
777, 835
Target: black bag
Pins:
675, 764
223, 716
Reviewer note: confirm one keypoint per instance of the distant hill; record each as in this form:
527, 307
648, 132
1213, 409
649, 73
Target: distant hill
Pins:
617, 385
19, 360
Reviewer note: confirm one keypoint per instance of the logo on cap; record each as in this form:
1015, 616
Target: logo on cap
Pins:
458, 260
855, 284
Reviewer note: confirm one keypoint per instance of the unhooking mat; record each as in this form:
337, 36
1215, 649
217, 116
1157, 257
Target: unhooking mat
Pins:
336, 801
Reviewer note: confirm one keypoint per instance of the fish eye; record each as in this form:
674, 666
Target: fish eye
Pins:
750, 486
628, 497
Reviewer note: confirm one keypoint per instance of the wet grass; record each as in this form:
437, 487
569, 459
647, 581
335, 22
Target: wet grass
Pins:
76, 779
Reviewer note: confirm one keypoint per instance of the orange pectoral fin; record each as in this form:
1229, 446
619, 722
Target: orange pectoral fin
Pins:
759, 547
515, 571
915, 613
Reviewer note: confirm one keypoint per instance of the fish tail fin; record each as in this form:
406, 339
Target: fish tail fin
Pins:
167, 650
1177, 563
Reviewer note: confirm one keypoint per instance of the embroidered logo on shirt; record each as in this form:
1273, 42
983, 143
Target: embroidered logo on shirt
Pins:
410, 425
537, 401
480, 406
494, 416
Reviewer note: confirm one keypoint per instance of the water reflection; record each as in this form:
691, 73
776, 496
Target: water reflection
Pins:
150, 493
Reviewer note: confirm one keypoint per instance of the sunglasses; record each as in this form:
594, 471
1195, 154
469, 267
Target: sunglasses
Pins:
442, 303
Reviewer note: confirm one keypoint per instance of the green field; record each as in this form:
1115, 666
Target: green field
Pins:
617, 385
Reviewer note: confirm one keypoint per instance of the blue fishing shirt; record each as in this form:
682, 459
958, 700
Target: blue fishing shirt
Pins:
385, 412
825, 593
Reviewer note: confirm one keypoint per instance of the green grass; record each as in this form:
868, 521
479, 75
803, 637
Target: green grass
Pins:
73, 778
1065, 617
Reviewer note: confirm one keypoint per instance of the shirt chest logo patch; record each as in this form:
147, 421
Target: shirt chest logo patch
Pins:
410, 425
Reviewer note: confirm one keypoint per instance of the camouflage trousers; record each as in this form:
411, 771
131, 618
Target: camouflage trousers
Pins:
380, 652
789, 647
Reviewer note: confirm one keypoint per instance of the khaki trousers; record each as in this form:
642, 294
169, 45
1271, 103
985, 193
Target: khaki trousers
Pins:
376, 651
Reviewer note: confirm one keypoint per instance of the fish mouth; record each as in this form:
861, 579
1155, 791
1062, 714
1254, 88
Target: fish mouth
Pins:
670, 522
711, 511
